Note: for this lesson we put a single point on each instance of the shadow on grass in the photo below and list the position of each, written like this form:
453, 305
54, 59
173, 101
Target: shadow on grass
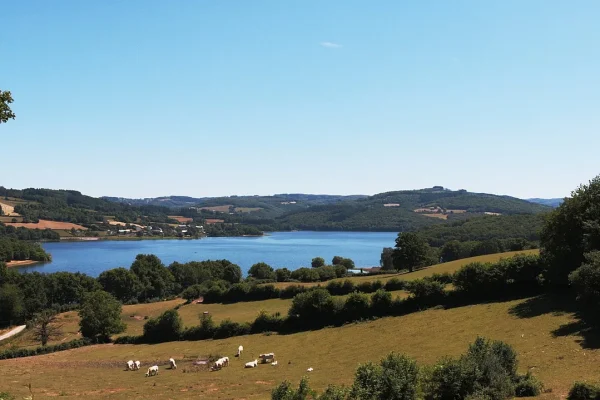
585, 327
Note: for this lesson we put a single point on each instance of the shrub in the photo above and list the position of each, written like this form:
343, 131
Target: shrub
338, 288
395, 378
261, 270
283, 274
267, 323
340, 271
528, 386
306, 275
326, 273
28, 352
228, 328
335, 393
205, 330
426, 293
583, 391
167, 327
365, 287
445, 277
395, 284
356, 307
317, 262
262, 292
285, 391
313, 307
292, 290
381, 302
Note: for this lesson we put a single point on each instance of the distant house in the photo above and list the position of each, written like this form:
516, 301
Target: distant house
124, 230
288, 202
214, 221
391, 205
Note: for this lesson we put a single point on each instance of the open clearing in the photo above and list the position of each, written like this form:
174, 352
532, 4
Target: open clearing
223, 209
45, 224
181, 219
449, 267
543, 336
438, 216
8, 210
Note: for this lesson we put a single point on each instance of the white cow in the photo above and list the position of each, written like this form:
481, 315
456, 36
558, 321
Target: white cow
152, 371
172, 363
240, 349
225, 361
130, 365
274, 362
310, 370
251, 364
137, 365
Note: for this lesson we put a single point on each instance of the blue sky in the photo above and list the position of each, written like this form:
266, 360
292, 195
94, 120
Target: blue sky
143, 98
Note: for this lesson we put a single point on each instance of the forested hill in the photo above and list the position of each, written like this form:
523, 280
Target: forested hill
391, 211
407, 210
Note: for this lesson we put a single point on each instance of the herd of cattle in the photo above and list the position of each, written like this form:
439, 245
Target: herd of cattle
218, 364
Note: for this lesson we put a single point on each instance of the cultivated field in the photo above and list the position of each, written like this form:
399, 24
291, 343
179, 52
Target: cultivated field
45, 224
545, 337
8, 210
181, 219
223, 209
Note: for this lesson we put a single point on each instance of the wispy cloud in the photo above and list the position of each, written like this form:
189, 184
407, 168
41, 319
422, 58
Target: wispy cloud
331, 45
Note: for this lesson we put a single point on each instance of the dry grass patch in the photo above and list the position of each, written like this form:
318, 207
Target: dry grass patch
179, 218
223, 209
438, 216
45, 224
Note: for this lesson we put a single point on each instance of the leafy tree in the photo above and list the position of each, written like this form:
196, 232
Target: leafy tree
285, 391
167, 327
121, 283
232, 273
411, 251
317, 262
314, 306
5, 111
348, 263
100, 316
387, 260
157, 281
571, 231
261, 270
395, 378
12, 308
336, 260
451, 251
586, 280
46, 327
283, 274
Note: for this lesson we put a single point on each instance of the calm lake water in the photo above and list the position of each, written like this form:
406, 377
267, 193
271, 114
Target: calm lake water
279, 249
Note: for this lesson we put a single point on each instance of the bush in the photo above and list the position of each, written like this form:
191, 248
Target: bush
395, 378
426, 293
261, 270
356, 307
583, 391
315, 307
528, 386
18, 353
306, 275
317, 262
291, 291
381, 303
326, 273
395, 284
340, 271
338, 288
228, 328
445, 277
267, 323
283, 274
205, 330
167, 327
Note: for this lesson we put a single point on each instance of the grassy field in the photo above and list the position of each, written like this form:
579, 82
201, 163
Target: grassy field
449, 267
543, 336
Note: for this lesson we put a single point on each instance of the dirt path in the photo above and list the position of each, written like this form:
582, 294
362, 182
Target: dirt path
13, 332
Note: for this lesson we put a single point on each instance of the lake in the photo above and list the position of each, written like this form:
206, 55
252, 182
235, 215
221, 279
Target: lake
279, 249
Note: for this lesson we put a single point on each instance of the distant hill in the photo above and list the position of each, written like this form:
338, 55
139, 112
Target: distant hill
547, 202
390, 211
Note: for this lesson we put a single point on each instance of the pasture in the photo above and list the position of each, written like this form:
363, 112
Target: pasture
449, 267
541, 330
180, 219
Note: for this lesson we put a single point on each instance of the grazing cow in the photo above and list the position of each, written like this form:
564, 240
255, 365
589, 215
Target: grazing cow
152, 371
274, 363
225, 361
251, 364
130, 365
172, 363
137, 365
239, 352
218, 364
310, 370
